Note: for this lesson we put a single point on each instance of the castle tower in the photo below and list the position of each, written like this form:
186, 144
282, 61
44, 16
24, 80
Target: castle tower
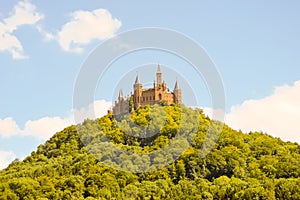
121, 97
159, 76
138, 89
159, 94
177, 94
164, 86
120, 104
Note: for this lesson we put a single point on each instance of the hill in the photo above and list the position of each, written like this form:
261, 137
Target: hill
78, 163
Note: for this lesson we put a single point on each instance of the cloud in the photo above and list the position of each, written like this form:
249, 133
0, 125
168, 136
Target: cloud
8, 127
45, 127
24, 13
47, 36
42, 128
83, 27
277, 115
216, 114
6, 157
95, 110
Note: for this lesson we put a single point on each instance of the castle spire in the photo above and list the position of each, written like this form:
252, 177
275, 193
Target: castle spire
137, 80
158, 69
176, 85
120, 94
158, 75
177, 93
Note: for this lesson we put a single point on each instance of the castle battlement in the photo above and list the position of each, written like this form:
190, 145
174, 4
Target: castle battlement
148, 96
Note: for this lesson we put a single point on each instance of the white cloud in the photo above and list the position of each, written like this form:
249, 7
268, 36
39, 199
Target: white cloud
47, 36
24, 13
45, 127
8, 127
6, 157
84, 27
277, 115
216, 114
42, 128
93, 111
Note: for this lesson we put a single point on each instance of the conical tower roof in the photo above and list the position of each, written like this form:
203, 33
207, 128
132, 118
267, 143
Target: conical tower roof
158, 69
137, 80
176, 85
121, 94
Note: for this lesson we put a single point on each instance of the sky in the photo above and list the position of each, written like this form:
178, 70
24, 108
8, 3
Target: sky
255, 46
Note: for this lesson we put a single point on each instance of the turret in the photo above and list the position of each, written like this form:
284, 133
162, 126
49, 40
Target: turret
137, 87
164, 86
159, 76
177, 93
121, 97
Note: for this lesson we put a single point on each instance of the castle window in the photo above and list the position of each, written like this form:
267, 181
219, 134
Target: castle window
153, 97
159, 96
146, 98
150, 98
143, 98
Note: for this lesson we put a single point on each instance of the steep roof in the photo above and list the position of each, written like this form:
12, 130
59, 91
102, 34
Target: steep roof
158, 69
121, 94
137, 80
176, 85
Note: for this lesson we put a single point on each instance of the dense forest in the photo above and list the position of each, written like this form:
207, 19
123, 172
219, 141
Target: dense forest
174, 152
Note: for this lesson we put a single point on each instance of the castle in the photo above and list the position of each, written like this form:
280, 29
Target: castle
148, 96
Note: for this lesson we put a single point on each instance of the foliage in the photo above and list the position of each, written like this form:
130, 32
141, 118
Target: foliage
240, 166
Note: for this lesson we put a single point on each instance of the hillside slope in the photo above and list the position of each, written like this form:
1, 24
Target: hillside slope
70, 164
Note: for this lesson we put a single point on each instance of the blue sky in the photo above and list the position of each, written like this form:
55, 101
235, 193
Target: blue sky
255, 46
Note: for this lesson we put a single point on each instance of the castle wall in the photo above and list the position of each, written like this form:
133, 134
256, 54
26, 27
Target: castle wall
121, 107
149, 96
154, 96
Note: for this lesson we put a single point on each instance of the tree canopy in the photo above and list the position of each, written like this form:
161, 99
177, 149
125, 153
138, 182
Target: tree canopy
78, 163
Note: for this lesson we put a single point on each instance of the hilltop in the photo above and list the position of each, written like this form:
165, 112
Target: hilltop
70, 165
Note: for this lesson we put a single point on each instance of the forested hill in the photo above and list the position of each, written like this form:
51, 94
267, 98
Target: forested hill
240, 166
